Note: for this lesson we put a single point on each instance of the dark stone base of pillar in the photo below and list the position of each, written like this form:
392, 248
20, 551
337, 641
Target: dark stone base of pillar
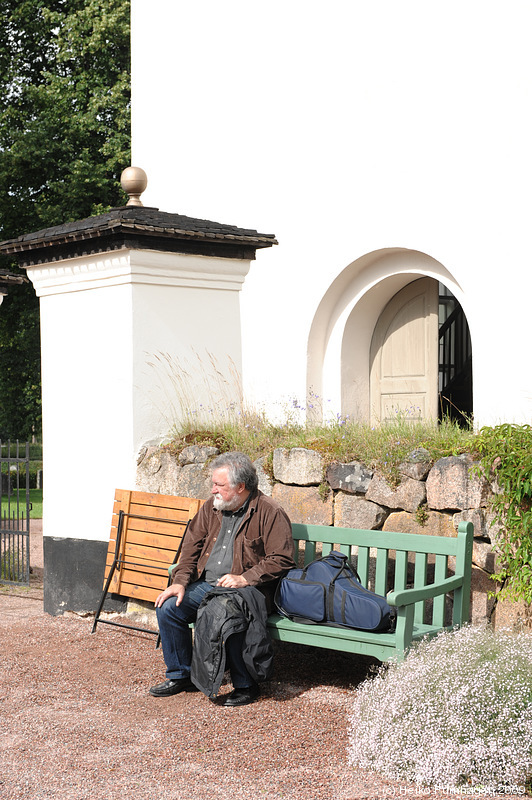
73, 576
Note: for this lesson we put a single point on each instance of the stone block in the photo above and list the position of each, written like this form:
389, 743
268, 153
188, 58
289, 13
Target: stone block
437, 524
353, 477
452, 485
194, 480
417, 465
304, 504
484, 556
356, 512
157, 471
298, 466
493, 529
479, 519
482, 604
196, 454
265, 482
516, 615
408, 495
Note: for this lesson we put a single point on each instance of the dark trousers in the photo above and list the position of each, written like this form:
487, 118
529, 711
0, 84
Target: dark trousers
176, 637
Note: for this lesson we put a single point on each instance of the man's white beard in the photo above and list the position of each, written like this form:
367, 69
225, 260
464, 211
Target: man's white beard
225, 505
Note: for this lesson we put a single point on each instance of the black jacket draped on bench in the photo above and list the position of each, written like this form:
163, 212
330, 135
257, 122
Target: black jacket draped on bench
222, 613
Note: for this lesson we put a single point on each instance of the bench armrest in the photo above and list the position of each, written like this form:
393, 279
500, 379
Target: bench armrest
405, 597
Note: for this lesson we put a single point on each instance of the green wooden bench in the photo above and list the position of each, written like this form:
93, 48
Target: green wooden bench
412, 570
426, 578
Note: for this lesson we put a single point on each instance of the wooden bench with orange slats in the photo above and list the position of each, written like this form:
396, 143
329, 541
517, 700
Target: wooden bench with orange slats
147, 531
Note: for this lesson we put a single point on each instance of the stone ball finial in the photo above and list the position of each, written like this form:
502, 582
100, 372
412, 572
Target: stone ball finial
133, 181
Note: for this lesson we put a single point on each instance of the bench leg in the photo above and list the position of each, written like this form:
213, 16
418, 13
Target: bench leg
104, 595
403, 630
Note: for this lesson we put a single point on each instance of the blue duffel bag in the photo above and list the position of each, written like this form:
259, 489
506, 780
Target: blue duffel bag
329, 591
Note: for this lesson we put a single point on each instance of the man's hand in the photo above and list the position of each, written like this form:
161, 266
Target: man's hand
174, 590
232, 581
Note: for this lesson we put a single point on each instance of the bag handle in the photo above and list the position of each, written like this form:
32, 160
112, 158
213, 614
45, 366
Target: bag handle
345, 566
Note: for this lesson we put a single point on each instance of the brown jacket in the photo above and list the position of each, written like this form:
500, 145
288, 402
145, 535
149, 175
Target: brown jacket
263, 549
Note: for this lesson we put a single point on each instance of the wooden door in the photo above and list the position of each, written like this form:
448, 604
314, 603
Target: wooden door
404, 355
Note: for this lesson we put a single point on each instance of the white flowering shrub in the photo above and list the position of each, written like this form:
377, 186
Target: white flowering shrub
456, 712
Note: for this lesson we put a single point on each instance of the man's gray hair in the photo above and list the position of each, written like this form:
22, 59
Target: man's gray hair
240, 469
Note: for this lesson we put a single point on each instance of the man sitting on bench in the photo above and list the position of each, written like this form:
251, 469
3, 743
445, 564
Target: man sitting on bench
239, 537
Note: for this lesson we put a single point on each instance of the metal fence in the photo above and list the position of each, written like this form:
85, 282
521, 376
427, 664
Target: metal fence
15, 512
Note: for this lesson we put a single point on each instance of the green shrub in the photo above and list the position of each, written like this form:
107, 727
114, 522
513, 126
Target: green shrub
506, 457
456, 712
20, 478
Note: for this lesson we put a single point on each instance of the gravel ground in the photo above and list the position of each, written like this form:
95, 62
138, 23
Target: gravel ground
77, 721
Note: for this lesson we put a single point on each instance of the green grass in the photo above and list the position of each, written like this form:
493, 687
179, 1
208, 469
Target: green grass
35, 500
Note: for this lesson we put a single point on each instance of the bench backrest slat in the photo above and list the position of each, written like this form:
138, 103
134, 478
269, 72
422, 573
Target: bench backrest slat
401, 569
440, 573
446, 545
363, 561
310, 552
420, 580
381, 571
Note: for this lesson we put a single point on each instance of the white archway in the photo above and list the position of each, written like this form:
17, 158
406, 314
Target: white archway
349, 311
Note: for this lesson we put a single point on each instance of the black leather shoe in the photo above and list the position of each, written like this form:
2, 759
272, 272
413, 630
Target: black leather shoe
242, 697
170, 687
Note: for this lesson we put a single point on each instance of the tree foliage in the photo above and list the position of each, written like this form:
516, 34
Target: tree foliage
64, 140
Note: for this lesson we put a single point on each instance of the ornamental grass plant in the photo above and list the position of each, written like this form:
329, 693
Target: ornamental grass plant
339, 439
457, 712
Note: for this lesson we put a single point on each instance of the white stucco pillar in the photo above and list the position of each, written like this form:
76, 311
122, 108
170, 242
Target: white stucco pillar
133, 340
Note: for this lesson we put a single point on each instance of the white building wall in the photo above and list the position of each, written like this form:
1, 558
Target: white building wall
345, 128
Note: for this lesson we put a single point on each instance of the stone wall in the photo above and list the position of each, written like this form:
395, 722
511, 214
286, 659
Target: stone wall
430, 498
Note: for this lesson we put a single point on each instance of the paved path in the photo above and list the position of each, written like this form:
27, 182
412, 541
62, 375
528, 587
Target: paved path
17, 603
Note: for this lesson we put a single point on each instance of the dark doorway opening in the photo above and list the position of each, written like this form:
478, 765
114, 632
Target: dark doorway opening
455, 361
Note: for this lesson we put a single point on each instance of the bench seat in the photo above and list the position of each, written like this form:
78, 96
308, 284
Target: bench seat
379, 645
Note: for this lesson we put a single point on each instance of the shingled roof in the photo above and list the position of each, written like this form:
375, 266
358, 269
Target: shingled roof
137, 228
